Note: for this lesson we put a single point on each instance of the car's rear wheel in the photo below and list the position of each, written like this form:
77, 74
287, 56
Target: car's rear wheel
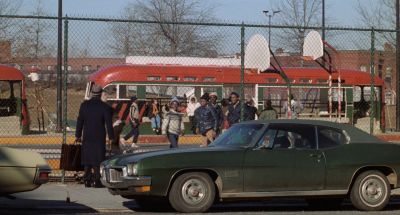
370, 191
192, 192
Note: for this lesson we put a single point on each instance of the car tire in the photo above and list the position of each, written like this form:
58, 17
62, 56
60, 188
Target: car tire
370, 191
192, 193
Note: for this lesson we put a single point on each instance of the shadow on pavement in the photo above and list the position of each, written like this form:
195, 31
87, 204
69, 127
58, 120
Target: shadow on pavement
276, 205
30, 206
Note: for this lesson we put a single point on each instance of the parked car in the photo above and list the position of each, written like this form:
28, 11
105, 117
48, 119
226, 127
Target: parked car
21, 171
324, 162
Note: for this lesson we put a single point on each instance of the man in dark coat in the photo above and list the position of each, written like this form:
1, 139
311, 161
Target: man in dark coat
234, 109
95, 116
218, 111
207, 120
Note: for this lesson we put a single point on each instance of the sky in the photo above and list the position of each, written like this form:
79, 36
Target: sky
341, 12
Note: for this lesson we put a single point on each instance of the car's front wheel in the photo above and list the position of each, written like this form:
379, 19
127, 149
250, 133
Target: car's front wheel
192, 192
370, 191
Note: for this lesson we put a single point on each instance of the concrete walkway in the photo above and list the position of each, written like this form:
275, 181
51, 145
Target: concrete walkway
53, 197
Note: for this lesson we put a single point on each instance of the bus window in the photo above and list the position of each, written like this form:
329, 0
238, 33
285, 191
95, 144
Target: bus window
356, 94
127, 91
5, 90
111, 91
189, 78
367, 94
17, 89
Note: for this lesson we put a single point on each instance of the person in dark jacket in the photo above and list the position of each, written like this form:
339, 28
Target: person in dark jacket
234, 109
207, 120
95, 117
218, 111
250, 111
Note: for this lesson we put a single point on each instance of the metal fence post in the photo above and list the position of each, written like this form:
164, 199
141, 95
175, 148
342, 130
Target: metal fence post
65, 87
372, 72
242, 44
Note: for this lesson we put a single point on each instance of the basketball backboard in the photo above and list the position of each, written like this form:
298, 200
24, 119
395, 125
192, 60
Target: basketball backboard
313, 47
257, 53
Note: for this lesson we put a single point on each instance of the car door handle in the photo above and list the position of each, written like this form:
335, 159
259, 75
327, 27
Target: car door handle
319, 156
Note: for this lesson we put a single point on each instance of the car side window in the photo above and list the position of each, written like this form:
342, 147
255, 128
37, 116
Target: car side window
294, 136
329, 137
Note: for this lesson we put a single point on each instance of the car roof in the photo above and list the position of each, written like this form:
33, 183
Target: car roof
356, 135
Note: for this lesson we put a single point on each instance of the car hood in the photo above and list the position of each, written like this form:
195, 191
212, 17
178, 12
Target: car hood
135, 157
20, 158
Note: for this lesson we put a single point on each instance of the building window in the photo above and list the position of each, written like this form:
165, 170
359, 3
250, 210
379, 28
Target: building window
388, 73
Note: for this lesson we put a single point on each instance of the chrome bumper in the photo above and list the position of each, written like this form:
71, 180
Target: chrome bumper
113, 178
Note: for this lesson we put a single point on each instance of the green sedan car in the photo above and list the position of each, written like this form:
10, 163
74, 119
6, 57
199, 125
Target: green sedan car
21, 171
323, 162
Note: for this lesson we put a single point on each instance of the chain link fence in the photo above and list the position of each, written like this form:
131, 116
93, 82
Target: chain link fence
159, 61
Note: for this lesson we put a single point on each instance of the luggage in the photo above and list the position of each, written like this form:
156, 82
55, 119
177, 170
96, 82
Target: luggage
71, 157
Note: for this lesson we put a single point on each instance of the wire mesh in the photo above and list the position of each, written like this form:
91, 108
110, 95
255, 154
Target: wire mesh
159, 61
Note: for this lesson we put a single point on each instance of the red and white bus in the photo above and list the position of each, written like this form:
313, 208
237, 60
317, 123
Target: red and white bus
308, 85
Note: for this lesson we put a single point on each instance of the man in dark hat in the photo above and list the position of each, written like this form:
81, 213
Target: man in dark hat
207, 120
93, 120
134, 123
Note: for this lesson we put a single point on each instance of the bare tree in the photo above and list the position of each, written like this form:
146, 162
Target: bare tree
381, 15
301, 13
33, 39
172, 39
8, 7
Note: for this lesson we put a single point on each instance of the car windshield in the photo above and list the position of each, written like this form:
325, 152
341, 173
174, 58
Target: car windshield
239, 135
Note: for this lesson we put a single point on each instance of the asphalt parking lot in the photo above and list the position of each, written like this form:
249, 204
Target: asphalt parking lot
52, 198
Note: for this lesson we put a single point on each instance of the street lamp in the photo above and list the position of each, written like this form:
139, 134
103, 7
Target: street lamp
270, 14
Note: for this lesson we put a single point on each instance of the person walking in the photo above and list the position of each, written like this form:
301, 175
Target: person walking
173, 125
234, 109
155, 117
191, 108
268, 112
207, 121
134, 124
295, 108
219, 112
94, 119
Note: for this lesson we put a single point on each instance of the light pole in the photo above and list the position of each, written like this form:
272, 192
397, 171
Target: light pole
323, 20
59, 72
270, 14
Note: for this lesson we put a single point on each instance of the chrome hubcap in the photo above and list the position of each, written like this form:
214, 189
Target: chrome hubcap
193, 191
372, 191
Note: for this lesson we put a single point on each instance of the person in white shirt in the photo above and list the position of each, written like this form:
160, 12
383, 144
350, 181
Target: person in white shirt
191, 107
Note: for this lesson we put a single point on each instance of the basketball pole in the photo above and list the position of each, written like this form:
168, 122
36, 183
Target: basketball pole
397, 65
